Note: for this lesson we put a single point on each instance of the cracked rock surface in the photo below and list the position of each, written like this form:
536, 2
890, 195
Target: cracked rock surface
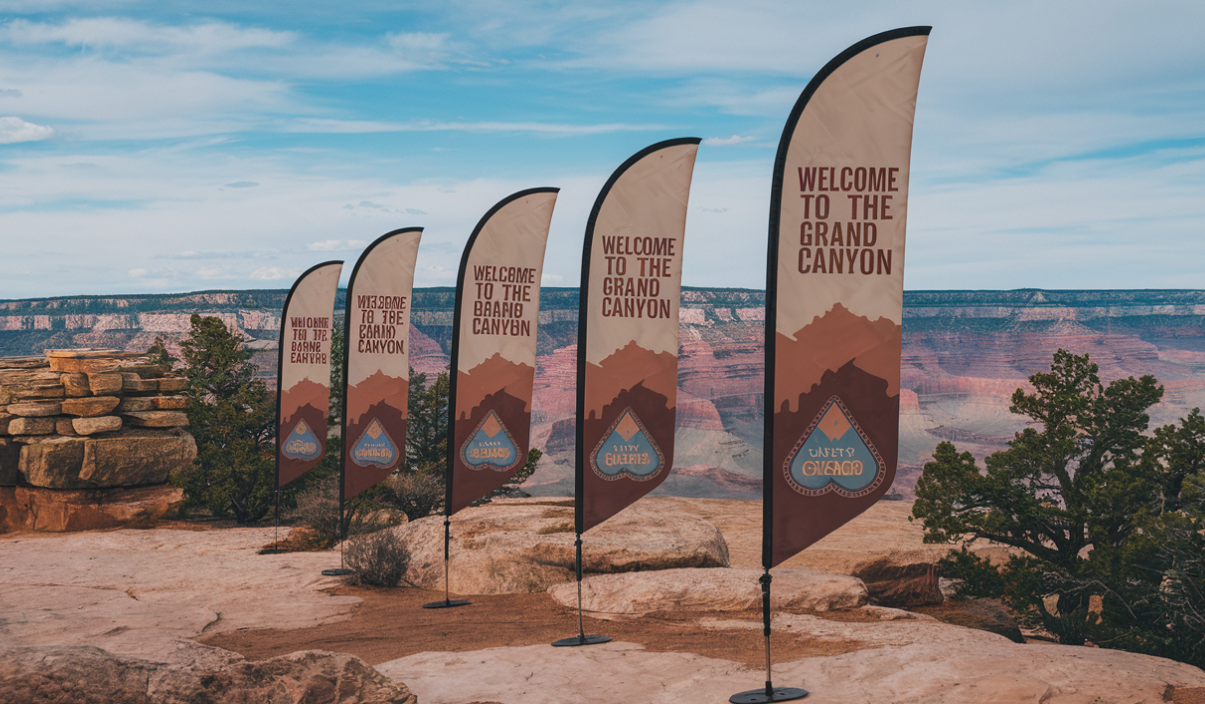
145, 593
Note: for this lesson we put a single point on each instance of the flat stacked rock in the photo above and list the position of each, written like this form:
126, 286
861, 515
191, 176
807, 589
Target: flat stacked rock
81, 421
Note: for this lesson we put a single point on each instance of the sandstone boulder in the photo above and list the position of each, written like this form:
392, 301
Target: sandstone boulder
63, 426
984, 614
105, 383
75, 384
170, 403
131, 403
53, 464
83, 364
129, 458
56, 674
10, 459
31, 426
26, 508
175, 383
716, 589
136, 457
146, 371
92, 426
35, 409
527, 546
901, 579
132, 383
91, 406
156, 419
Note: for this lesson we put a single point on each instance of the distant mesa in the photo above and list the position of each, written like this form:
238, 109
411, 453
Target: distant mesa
832, 340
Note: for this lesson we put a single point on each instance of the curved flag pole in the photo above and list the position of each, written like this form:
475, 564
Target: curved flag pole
492, 366
822, 314
637, 401
311, 299
375, 379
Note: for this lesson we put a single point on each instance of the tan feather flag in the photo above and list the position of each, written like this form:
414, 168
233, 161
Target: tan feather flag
304, 371
834, 299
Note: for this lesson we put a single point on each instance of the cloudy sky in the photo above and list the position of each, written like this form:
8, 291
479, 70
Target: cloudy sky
179, 146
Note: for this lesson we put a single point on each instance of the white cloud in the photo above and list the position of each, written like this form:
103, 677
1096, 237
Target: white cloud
274, 273
551, 279
320, 125
726, 141
138, 36
14, 130
215, 272
335, 245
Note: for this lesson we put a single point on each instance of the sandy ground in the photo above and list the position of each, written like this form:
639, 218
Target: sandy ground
171, 595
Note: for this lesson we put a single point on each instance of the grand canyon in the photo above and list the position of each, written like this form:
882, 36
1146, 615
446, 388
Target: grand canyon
964, 353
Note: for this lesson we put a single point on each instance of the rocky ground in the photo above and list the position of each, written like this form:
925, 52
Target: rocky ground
167, 611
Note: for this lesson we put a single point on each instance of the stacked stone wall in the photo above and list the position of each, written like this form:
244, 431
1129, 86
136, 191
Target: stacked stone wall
88, 439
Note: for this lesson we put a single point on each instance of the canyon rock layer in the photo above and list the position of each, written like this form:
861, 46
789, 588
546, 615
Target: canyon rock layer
964, 352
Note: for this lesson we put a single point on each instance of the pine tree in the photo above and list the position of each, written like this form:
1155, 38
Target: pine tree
231, 415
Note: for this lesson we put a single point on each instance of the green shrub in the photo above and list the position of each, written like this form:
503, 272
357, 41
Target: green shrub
416, 493
379, 558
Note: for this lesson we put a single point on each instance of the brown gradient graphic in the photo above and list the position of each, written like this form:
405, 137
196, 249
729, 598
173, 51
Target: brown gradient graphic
377, 388
376, 398
801, 520
510, 400
309, 401
830, 341
606, 399
656, 371
491, 376
474, 482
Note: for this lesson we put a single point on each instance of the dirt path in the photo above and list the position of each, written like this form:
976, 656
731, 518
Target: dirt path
392, 624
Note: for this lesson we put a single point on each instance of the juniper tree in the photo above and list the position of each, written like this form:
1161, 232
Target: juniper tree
1082, 493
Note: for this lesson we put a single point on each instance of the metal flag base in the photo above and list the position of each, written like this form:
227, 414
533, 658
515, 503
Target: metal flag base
446, 604
768, 694
337, 572
580, 640
448, 601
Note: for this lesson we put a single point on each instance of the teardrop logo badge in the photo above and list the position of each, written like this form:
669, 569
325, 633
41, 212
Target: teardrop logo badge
834, 455
491, 446
374, 447
301, 443
627, 451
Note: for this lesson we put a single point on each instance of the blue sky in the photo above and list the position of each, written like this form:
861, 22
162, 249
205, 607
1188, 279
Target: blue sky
177, 146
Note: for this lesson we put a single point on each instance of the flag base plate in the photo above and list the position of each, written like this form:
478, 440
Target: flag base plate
446, 604
780, 694
341, 572
580, 640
